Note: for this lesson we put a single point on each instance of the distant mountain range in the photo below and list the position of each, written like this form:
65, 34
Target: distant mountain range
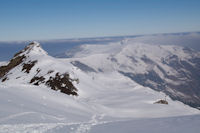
172, 69
58, 47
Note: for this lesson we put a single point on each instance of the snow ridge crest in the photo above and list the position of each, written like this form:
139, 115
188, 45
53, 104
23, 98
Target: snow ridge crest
34, 48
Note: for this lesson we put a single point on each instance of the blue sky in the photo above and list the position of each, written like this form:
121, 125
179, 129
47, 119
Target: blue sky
54, 19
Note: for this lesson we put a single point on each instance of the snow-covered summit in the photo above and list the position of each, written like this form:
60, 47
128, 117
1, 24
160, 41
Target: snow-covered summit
32, 65
34, 48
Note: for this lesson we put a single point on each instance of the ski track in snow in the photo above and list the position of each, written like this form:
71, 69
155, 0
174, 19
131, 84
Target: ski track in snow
15, 115
27, 113
29, 128
83, 127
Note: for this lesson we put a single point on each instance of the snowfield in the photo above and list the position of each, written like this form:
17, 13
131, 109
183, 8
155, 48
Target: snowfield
108, 101
129, 108
184, 124
26, 108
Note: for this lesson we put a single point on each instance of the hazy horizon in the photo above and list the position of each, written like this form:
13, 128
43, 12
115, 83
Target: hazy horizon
51, 19
97, 37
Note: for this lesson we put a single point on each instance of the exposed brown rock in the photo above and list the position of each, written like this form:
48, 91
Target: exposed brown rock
13, 63
37, 80
50, 71
161, 102
4, 79
63, 83
28, 66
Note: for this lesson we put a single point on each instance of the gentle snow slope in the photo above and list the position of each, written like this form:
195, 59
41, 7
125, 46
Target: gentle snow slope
27, 108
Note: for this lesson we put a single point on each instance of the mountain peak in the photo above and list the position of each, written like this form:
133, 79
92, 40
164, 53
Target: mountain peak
27, 66
33, 44
33, 48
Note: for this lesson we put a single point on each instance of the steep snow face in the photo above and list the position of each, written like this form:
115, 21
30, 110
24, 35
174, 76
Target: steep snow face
32, 50
33, 65
171, 69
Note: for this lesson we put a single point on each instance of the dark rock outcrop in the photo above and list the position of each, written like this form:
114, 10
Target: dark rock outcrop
12, 64
63, 83
27, 66
186, 82
22, 60
161, 102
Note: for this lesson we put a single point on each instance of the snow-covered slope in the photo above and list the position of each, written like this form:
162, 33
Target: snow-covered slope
104, 96
171, 69
33, 65
28, 108
186, 124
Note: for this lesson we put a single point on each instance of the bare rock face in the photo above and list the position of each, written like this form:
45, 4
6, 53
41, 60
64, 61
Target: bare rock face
13, 63
176, 72
184, 85
27, 63
63, 83
161, 102
27, 66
